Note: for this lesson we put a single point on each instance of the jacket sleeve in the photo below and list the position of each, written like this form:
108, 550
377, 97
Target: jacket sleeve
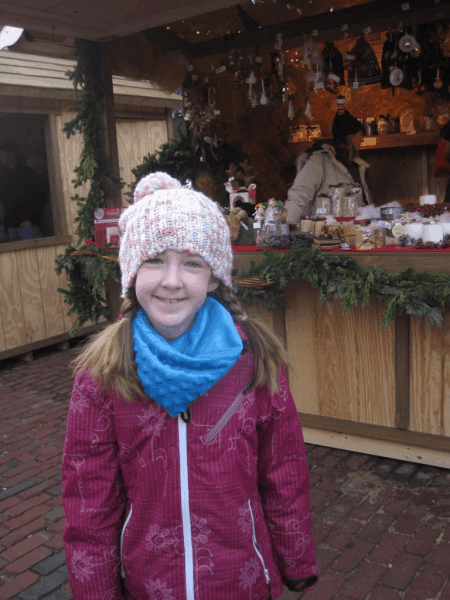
283, 480
93, 496
306, 185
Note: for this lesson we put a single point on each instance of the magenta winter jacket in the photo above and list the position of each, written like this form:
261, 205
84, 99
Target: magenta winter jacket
213, 509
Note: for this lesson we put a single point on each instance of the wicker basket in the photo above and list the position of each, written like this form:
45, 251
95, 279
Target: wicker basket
88, 253
253, 282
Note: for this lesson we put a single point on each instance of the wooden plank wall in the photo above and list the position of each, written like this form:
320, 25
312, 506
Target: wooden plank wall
338, 358
31, 308
136, 139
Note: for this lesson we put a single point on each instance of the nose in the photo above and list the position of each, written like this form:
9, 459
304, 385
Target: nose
171, 277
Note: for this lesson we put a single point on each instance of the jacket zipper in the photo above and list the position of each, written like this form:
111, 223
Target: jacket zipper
258, 551
186, 516
121, 540
212, 433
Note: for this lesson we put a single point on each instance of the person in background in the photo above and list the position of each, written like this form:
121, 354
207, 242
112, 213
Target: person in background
328, 162
444, 135
21, 193
184, 469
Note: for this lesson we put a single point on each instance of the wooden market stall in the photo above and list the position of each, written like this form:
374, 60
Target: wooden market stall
356, 385
361, 387
36, 99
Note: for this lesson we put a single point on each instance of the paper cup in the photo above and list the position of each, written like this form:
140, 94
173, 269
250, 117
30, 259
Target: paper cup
432, 233
430, 199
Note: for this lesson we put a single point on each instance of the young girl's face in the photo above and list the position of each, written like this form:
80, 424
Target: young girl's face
171, 288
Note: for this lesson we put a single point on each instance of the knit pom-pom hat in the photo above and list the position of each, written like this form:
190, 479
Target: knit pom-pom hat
165, 215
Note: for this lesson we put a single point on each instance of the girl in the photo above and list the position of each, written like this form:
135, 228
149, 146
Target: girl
184, 469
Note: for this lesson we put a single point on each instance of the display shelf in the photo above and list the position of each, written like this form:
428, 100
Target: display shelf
380, 142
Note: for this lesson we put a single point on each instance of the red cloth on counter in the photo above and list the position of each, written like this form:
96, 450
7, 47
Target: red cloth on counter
351, 249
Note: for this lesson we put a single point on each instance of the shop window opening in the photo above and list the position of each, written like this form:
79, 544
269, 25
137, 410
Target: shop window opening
25, 203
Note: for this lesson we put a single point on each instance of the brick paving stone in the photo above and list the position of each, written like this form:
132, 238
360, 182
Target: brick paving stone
27, 561
10, 589
363, 580
46, 585
343, 533
384, 593
329, 584
351, 556
50, 564
386, 551
325, 556
439, 560
403, 571
15, 552
19, 534
400, 500
423, 540
376, 527
56, 543
16, 489
426, 585
27, 516
407, 525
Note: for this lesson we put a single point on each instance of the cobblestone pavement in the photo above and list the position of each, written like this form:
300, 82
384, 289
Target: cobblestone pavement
382, 528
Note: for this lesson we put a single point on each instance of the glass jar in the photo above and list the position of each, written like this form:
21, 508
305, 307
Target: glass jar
323, 205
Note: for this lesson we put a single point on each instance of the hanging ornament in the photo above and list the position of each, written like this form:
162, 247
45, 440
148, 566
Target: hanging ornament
396, 76
407, 43
349, 61
332, 83
340, 101
263, 100
438, 83
291, 107
308, 112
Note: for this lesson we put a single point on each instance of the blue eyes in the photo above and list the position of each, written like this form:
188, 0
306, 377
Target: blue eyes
154, 261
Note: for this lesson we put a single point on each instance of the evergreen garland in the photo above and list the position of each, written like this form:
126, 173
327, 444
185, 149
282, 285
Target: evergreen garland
422, 294
87, 275
181, 158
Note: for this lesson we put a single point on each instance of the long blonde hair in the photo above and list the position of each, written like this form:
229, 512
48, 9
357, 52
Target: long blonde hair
110, 357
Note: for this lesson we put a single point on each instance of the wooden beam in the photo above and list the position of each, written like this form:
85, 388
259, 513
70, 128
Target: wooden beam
375, 432
111, 157
35, 243
380, 15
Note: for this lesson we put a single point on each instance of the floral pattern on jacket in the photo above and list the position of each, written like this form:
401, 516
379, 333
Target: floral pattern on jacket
248, 490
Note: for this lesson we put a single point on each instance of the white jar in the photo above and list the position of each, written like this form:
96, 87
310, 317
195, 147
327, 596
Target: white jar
433, 233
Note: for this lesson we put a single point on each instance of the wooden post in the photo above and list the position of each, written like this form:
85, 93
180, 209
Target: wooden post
110, 155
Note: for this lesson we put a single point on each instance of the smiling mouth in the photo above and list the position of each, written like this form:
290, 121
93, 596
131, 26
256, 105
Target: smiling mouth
169, 301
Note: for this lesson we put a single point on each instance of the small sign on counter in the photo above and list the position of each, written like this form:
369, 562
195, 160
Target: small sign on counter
369, 141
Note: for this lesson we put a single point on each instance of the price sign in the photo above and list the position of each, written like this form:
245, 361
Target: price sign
405, 6
367, 30
315, 32
216, 112
321, 211
258, 59
221, 69
206, 80
190, 68
344, 27
257, 225
355, 85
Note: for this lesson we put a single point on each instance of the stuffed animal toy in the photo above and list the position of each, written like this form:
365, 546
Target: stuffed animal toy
234, 221
247, 206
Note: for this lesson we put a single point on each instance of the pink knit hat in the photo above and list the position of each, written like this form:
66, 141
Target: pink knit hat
165, 215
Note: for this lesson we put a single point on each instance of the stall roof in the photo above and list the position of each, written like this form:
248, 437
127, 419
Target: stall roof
50, 74
97, 19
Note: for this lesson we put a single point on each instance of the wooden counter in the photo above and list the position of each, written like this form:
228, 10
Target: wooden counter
359, 386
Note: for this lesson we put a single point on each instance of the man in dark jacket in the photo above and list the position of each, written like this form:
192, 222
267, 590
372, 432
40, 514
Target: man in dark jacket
21, 192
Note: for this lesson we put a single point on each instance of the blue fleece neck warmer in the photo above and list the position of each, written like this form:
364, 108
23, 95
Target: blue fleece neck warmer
175, 373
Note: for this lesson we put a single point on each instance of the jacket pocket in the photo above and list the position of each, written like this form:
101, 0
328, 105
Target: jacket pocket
212, 433
125, 525
258, 551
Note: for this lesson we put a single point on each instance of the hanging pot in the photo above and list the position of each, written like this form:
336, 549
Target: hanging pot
396, 76
406, 43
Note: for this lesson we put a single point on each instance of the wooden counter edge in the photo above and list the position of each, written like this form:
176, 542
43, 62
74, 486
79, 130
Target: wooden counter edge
376, 432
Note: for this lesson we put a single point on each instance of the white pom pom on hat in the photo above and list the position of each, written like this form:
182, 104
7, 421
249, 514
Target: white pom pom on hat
166, 215
154, 182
